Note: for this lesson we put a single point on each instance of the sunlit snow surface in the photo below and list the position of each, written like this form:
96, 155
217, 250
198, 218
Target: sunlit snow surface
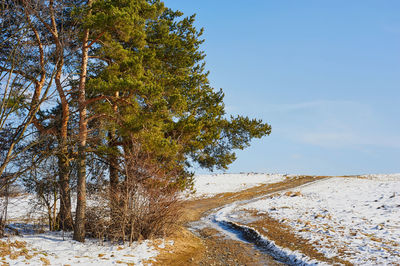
357, 219
210, 185
57, 251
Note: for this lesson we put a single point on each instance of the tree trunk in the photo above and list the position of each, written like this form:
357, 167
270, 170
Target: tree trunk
114, 180
79, 230
113, 171
65, 222
65, 215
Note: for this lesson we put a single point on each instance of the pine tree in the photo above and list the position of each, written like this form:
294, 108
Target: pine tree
139, 84
165, 104
103, 21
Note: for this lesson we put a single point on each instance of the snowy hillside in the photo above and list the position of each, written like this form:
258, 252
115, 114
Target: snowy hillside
210, 185
356, 219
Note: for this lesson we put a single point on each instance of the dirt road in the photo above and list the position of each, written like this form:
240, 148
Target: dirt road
206, 246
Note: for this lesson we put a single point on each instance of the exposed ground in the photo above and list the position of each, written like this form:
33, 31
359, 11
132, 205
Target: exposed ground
207, 247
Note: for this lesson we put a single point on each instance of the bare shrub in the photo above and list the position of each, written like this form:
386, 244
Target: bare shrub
3, 211
41, 181
141, 213
145, 204
98, 221
145, 212
4, 202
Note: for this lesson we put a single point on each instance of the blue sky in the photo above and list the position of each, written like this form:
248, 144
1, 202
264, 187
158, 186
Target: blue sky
324, 74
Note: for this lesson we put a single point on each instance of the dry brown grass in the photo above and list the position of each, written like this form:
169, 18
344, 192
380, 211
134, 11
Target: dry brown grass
13, 249
16, 249
292, 194
189, 249
45, 261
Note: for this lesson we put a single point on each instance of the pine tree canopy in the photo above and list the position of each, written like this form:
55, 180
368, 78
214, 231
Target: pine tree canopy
146, 89
149, 73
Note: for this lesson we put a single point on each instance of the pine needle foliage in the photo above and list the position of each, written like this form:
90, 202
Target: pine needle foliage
150, 75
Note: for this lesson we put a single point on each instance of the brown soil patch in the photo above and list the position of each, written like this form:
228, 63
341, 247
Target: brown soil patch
207, 247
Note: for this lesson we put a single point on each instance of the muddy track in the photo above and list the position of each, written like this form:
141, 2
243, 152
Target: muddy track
206, 245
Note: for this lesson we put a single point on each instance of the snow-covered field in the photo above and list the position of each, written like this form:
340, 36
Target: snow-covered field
60, 250
54, 249
356, 219
210, 185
